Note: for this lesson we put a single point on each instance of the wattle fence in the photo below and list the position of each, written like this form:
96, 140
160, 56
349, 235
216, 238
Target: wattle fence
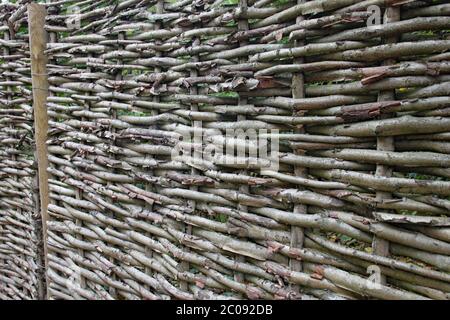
21, 265
230, 149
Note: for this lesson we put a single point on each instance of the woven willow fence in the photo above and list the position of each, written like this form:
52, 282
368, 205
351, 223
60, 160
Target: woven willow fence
21, 266
354, 115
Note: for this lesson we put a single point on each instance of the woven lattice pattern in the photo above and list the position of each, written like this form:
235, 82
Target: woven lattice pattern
20, 228
349, 98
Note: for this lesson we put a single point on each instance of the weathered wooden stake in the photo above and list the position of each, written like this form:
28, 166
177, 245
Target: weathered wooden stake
381, 246
38, 44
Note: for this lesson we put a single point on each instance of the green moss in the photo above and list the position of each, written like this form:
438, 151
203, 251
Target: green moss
228, 94
230, 3
222, 218
131, 113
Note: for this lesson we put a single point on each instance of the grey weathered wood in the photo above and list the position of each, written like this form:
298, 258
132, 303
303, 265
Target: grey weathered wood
381, 246
298, 92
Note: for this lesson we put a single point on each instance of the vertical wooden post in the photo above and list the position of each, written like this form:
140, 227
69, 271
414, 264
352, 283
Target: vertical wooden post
38, 44
381, 246
298, 92
242, 26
